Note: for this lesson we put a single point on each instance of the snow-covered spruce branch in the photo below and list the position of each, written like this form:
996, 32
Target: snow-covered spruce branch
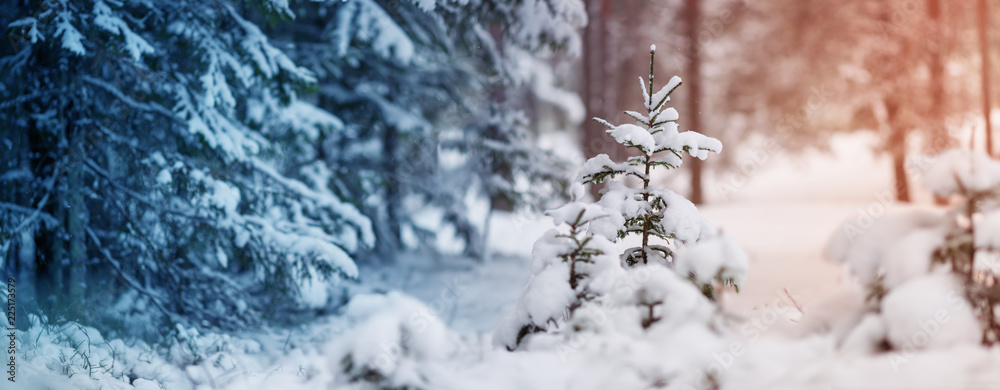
31, 212
145, 107
28, 97
94, 168
154, 298
344, 210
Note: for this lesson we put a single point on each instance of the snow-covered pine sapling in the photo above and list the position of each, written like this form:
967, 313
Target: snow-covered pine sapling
579, 278
567, 259
656, 215
580, 255
656, 138
971, 248
397, 344
923, 264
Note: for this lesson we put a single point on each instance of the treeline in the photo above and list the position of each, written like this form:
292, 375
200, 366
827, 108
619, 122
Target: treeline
219, 163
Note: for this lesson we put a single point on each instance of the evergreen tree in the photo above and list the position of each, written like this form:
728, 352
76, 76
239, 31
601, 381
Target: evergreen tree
417, 79
158, 156
919, 266
575, 265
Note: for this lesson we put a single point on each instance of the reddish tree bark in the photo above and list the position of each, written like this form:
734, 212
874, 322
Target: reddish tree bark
984, 53
693, 87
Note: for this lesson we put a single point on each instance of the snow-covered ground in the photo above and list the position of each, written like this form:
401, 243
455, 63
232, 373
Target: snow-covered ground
782, 212
469, 296
784, 242
782, 215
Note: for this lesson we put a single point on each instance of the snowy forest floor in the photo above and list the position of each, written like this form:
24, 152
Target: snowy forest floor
783, 240
782, 216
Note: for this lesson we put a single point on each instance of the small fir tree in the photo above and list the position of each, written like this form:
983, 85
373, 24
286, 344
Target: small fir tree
971, 250
577, 266
919, 265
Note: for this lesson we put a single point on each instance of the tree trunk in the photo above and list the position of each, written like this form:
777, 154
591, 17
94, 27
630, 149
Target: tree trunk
595, 83
610, 66
693, 86
389, 234
897, 148
899, 176
498, 93
984, 54
25, 259
58, 259
76, 214
939, 139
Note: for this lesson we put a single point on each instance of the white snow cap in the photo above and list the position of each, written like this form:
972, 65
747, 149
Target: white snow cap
682, 218
988, 230
569, 213
680, 299
669, 114
636, 135
397, 335
910, 257
544, 299
861, 244
598, 164
547, 295
929, 312
975, 171
716, 255
601, 221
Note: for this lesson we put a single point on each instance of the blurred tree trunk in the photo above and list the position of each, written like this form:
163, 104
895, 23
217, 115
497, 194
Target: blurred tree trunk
76, 213
596, 86
693, 81
938, 135
389, 235
891, 66
498, 93
58, 259
897, 148
939, 140
984, 53
25, 258
612, 65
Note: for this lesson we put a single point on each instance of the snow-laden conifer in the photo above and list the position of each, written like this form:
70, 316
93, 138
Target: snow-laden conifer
920, 267
582, 282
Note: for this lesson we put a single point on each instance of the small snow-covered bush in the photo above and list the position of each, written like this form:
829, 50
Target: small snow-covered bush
397, 343
644, 298
932, 276
68, 355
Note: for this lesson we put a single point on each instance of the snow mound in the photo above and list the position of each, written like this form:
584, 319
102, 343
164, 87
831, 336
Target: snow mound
929, 312
957, 169
861, 244
73, 356
397, 342
716, 258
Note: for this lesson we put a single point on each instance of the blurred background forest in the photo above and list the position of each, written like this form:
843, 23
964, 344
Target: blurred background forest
917, 74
